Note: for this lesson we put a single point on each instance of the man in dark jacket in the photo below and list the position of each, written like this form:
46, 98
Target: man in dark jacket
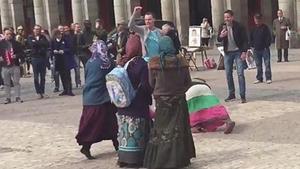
235, 41
10, 55
87, 39
260, 41
38, 44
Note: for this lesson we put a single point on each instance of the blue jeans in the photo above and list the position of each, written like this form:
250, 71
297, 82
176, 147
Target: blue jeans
39, 72
260, 57
229, 59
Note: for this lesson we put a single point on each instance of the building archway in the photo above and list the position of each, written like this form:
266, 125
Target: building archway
200, 9
153, 6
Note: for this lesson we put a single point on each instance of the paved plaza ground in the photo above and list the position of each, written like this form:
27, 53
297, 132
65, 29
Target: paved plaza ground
39, 134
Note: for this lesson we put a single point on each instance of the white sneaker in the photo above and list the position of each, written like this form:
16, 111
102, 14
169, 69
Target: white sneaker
1, 87
269, 81
257, 81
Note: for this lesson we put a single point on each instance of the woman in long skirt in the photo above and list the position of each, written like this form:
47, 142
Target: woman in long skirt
134, 120
98, 120
171, 143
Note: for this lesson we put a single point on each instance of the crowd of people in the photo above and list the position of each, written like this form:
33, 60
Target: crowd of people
157, 72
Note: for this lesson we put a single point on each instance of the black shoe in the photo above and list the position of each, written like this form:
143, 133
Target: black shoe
87, 153
63, 93
229, 127
278, 61
230, 98
55, 90
243, 100
71, 94
286, 60
116, 144
7, 101
18, 99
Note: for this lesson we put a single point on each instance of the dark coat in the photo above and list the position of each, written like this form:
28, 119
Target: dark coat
64, 61
138, 75
260, 37
173, 79
17, 49
39, 48
239, 34
280, 41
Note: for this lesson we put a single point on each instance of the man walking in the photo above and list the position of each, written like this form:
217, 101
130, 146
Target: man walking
260, 41
234, 37
39, 48
280, 26
10, 54
149, 33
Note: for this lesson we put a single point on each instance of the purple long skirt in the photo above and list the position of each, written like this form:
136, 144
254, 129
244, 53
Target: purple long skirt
97, 123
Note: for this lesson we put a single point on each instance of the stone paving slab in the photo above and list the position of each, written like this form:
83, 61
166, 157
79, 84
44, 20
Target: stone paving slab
52, 146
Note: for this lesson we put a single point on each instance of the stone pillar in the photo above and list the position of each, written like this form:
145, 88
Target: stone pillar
5, 14
217, 8
77, 11
287, 7
91, 10
298, 15
182, 21
52, 14
120, 8
266, 11
39, 12
239, 7
17, 13
167, 10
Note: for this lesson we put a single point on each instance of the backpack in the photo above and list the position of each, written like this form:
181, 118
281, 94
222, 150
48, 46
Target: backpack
120, 89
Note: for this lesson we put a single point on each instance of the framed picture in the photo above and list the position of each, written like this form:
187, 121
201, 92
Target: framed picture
194, 36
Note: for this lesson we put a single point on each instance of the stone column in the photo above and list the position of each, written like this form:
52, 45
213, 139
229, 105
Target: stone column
5, 14
91, 10
167, 10
39, 12
182, 21
217, 8
17, 13
77, 11
298, 15
287, 7
120, 8
52, 14
266, 11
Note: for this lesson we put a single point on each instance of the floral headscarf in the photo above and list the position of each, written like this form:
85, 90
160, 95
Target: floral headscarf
100, 50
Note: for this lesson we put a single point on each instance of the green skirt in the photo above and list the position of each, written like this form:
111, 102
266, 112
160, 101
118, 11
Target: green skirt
171, 143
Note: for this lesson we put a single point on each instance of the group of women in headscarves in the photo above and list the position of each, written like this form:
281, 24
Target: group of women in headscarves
166, 141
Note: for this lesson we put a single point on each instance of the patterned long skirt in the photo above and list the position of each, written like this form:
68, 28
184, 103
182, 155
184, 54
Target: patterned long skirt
133, 135
171, 143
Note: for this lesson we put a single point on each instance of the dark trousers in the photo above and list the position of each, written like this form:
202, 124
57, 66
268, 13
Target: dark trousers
65, 76
263, 56
56, 79
285, 54
39, 73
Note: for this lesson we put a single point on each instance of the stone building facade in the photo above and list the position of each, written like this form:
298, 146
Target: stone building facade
50, 13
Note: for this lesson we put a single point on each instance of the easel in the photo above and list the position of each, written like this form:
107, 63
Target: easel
189, 52
190, 55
